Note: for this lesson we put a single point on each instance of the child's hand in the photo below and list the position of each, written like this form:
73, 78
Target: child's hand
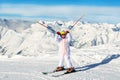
67, 32
58, 33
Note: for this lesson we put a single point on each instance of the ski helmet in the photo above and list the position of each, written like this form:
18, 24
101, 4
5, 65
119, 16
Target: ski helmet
62, 32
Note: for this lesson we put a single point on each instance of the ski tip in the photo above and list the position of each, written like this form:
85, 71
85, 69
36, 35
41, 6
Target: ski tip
55, 75
44, 73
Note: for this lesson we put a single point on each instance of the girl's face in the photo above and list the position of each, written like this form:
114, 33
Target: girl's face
63, 36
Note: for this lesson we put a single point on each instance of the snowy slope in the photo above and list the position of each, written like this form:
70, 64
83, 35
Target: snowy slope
95, 63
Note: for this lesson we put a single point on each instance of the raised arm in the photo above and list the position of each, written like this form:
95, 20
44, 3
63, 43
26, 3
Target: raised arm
69, 37
51, 30
57, 38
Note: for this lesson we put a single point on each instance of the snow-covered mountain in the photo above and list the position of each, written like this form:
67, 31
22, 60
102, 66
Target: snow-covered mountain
15, 24
34, 39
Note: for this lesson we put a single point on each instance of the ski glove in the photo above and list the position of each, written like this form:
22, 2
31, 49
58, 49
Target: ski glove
67, 32
58, 33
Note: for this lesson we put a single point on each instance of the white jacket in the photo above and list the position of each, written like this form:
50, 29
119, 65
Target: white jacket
64, 44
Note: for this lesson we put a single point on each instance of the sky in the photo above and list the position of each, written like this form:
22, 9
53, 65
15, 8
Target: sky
94, 10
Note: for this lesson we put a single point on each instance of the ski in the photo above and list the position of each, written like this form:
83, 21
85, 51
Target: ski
58, 75
63, 74
46, 73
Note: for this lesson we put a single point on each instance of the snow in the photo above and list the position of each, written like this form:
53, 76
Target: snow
95, 51
15, 24
96, 64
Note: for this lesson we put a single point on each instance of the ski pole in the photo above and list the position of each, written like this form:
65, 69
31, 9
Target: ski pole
42, 24
70, 27
77, 22
49, 28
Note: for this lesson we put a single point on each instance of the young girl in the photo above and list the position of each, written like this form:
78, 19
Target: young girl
63, 38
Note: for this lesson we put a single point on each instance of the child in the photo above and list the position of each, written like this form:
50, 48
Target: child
63, 38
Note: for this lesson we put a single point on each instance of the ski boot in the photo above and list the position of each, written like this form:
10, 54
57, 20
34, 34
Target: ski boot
59, 69
70, 70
